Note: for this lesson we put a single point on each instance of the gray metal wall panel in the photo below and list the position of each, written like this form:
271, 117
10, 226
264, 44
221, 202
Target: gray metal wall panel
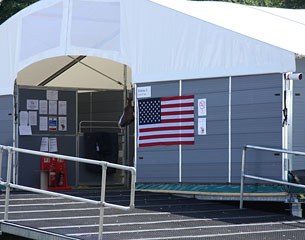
28, 165
159, 164
258, 82
6, 127
298, 130
256, 120
264, 164
205, 165
207, 160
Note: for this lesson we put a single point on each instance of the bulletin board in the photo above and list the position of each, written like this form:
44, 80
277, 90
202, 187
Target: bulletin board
47, 121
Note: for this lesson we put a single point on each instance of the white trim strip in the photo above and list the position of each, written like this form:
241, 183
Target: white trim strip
166, 125
167, 132
177, 109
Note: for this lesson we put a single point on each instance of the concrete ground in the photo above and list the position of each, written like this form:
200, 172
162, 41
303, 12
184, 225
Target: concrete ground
156, 216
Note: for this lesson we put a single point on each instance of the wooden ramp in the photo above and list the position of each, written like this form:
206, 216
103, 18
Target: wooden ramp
157, 216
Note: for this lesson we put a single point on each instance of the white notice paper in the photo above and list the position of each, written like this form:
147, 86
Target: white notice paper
23, 118
32, 104
25, 130
62, 123
202, 126
44, 145
33, 118
43, 107
52, 145
62, 107
202, 107
52, 95
53, 107
43, 123
144, 92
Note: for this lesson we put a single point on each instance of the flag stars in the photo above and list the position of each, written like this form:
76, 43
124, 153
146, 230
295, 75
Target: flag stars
149, 111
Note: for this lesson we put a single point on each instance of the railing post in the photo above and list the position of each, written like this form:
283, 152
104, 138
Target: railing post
8, 181
132, 188
243, 159
102, 207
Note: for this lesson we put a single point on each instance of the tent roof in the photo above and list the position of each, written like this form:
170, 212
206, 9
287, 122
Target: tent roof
158, 39
283, 28
88, 73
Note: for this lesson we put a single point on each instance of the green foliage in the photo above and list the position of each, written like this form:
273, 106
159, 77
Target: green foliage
294, 4
276, 3
9, 7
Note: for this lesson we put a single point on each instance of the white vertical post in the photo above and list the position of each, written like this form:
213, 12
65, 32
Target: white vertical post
230, 132
126, 130
102, 207
8, 181
287, 126
135, 126
180, 146
242, 177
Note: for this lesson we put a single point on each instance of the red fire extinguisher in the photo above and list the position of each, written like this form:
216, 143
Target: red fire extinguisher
52, 176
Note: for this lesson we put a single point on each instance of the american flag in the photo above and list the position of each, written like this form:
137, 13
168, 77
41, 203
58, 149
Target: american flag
166, 121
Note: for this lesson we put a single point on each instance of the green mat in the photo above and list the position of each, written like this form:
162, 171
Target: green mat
212, 188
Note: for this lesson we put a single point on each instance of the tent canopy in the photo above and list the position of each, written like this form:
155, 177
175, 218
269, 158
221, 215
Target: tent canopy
158, 39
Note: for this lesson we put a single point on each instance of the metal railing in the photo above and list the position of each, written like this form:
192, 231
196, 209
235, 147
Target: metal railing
244, 175
102, 204
98, 125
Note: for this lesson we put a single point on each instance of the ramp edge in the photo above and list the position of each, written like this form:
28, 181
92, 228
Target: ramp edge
31, 233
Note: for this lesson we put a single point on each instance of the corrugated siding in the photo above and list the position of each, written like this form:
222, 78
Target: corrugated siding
207, 160
256, 120
298, 130
6, 126
159, 164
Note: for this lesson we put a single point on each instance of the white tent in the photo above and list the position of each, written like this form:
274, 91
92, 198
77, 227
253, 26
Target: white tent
158, 39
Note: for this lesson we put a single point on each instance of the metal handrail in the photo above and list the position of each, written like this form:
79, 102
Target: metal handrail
82, 123
102, 164
243, 175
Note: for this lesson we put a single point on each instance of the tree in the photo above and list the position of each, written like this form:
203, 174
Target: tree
294, 4
8, 7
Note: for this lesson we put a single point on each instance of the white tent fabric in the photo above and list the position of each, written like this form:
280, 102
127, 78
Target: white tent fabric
158, 39
284, 28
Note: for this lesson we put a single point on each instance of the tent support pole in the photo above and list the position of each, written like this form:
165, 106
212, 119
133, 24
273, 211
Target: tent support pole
61, 71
